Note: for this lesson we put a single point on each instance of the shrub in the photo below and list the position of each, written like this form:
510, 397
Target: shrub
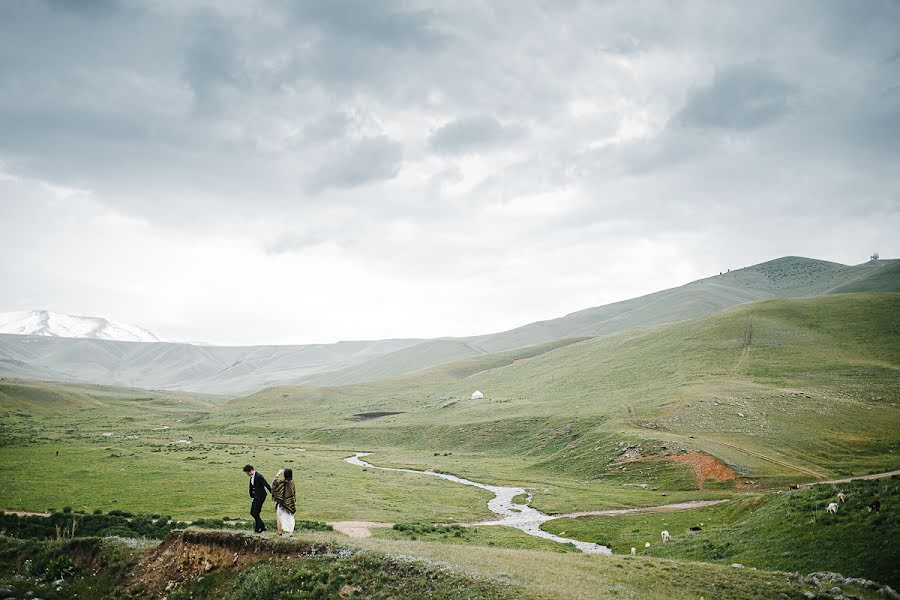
60, 568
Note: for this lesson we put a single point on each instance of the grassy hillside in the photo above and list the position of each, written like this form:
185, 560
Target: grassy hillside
781, 389
241, 370
788, 531
420, 356
317, 566
209, 369
884, 279
787, 277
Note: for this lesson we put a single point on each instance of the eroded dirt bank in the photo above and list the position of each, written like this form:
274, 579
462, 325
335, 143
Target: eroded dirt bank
187, 553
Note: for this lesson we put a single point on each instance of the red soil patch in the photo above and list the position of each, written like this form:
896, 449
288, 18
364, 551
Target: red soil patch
704, 466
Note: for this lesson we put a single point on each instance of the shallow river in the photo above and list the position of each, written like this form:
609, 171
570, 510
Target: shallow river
519, 516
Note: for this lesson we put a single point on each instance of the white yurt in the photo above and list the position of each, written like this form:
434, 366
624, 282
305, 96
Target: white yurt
476, 395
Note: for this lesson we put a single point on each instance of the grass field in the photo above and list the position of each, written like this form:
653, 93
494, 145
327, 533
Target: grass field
777, 391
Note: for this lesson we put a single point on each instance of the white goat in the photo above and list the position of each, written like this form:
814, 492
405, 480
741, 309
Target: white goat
633, 551
832, 508
665, 536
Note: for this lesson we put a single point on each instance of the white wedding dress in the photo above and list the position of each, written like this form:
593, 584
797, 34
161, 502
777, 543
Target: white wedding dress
285, 518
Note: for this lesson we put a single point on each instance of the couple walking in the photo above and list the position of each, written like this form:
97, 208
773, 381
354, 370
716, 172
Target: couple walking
283, 493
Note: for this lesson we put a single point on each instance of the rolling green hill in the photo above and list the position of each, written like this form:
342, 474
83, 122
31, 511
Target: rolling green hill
241, 370
787, 277
885, 279
779, 388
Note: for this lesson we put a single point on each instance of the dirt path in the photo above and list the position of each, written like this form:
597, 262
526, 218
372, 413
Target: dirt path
745, 351
640, 509
849, 479
777, 461
25, 513
358, 529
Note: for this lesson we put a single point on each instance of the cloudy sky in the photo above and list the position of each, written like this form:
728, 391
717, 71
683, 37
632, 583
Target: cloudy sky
310, 171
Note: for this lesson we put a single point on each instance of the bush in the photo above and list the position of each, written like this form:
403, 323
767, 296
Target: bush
60, 567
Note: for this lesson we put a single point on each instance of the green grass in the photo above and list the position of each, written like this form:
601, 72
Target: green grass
787, 531
149, 480
623, 532
572, 576
481, 535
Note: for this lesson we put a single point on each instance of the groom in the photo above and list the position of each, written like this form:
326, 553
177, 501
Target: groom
258, 487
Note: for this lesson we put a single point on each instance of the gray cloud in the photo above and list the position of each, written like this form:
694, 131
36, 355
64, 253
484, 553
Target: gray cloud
739, 97
507, 143
358, 163
390, 25
474, 133
326, 127
211, 63
90, 8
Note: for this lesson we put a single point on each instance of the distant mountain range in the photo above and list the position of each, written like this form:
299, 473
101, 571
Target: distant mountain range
51, 324
100, 357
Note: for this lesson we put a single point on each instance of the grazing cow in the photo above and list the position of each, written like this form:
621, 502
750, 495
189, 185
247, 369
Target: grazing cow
874, 506
832, 508
696, 528
841, 496
634, 551
793, 486
665, 536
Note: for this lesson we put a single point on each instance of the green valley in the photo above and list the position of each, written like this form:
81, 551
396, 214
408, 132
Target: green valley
732, 406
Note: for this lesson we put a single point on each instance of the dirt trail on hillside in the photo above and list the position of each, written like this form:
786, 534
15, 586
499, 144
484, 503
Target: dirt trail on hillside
615, 512
849, 479
777, 461
358, 529
748, 340
25, 513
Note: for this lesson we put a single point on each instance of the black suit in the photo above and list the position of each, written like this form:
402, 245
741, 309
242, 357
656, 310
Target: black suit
258, 487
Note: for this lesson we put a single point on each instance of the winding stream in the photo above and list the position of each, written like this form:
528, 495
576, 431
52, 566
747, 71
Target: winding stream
519, 516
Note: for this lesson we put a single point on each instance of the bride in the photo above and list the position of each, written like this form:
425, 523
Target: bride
285, 496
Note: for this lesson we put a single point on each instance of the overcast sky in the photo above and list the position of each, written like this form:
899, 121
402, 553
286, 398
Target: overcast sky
311, 171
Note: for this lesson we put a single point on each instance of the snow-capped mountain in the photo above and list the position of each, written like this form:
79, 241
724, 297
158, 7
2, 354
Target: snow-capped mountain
51, 324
